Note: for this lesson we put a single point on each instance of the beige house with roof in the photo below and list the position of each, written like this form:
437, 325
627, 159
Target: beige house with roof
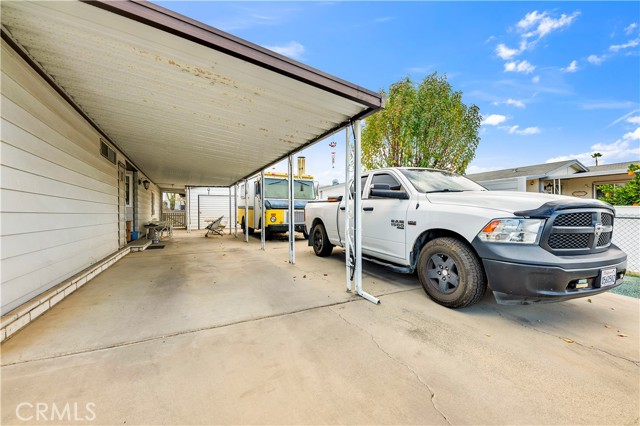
564, 177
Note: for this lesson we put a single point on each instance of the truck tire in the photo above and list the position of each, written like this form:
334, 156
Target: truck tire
451, 273
320, 241
251, 230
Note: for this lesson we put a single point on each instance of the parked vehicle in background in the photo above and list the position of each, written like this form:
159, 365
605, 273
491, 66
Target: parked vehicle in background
276, 203
461, 238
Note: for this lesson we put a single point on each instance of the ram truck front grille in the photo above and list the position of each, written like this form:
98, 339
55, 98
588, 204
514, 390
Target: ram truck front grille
576, 232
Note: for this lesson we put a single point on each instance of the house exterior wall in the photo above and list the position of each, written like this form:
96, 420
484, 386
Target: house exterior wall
577, 186
533, 185
325, 192
58, 194
146, 211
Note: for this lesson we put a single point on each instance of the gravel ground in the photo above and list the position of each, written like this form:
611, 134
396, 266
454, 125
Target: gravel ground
630, 287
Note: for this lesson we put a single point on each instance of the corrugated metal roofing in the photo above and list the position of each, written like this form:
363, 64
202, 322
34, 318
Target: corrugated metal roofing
189, 104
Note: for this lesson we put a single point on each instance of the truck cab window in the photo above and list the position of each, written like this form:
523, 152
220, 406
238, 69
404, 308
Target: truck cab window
385, 178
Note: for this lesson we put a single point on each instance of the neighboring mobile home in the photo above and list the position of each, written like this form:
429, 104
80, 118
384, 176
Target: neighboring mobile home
563, 177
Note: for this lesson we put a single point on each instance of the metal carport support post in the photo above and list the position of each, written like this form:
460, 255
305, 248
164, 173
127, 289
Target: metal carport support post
347, 208
246, 210
292, 218
263, 217
235, 210
357, 217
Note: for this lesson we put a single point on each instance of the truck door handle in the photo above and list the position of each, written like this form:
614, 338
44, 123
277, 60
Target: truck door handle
342, 208
367, 209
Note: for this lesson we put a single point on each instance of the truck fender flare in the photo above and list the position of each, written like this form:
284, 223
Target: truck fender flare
429, 235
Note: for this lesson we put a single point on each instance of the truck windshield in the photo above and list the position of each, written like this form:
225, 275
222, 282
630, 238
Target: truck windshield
425, 180
279, 188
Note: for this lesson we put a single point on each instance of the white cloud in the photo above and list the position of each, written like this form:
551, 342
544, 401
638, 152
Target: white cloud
293, 49
608, 104
626, 118
536, 79
516, 103
617, 151
632, 136
630, 43
522, 66
511, 102
506, 53
538, 25
530, 20
573, 67
630, 28
547, 24
493, 120
527, 131
595, 59
532, 28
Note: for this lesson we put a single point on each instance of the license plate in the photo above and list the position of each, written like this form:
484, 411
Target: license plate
607, 277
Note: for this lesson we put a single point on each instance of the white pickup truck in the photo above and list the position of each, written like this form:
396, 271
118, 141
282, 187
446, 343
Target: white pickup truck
461, 238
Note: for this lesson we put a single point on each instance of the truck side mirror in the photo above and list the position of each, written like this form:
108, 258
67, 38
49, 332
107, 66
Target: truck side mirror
383, 190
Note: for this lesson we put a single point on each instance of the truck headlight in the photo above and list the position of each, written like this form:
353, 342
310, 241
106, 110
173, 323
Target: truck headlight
523, 231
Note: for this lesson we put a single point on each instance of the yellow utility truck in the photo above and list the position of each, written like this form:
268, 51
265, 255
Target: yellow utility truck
276, 203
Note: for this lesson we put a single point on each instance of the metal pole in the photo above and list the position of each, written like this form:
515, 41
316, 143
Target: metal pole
358, 215
263, 217
235, 210
230, 217
246, 210
292, 236
188, 210
345, 202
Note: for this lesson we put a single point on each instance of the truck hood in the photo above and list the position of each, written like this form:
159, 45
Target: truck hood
518, 203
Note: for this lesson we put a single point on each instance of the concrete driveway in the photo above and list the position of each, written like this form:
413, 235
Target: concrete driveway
215, 331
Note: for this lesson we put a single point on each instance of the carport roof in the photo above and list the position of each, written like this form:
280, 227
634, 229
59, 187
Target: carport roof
187, 103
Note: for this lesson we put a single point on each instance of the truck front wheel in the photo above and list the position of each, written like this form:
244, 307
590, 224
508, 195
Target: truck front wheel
451, 273
320, 241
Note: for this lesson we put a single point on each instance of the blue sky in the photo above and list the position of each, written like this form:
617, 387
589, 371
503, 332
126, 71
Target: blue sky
553, 80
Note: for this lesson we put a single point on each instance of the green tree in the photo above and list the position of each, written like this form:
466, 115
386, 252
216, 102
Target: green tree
627, 195
172, 197
422, 125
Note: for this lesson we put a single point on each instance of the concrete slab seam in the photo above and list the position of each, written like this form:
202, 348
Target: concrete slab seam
402, 363
185, 332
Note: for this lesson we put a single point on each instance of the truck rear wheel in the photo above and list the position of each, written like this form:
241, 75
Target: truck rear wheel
451, 273
242, 225
320, 241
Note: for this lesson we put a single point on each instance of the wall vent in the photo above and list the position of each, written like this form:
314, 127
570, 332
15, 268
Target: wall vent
107, 152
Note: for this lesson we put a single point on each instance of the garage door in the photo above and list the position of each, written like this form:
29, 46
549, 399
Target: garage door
211, 207
512, 184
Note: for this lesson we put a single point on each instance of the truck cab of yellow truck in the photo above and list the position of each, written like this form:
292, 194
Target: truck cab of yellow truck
276, 203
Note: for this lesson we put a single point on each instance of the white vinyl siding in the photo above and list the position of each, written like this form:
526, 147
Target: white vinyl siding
59, 196
218, 206
144, 211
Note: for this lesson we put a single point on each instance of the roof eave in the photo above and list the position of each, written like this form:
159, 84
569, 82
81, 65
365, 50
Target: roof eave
197, 32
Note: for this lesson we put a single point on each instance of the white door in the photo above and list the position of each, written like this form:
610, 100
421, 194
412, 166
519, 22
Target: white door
211, 207
384, 221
